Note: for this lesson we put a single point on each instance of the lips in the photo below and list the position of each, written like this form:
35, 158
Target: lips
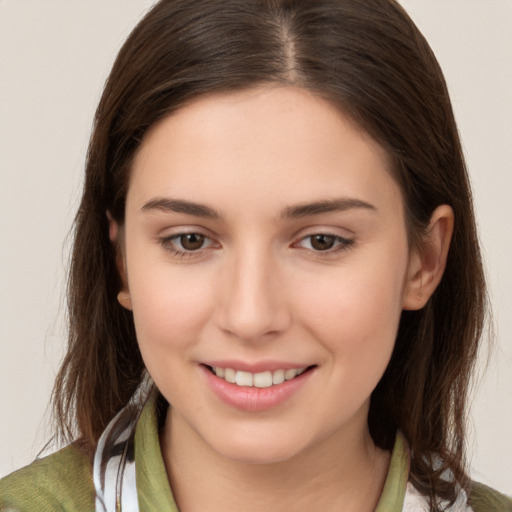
258, 390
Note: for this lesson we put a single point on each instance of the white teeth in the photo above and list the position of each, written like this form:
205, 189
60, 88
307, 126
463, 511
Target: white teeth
230, 375
258, 380
278, 377
244, 379
290, 374
263, 380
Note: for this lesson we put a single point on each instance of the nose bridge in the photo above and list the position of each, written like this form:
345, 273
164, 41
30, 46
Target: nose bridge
253, 305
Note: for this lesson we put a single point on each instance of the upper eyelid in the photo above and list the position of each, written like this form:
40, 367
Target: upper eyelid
176, 231
340, 238
326, 233
320, 230
331, 228
170, 231
175, 236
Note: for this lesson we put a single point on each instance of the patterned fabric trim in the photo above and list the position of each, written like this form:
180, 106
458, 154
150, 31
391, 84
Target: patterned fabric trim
415, 502
114, 461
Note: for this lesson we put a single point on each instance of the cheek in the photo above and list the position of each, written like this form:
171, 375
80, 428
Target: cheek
169, 314
170, 308
356, 310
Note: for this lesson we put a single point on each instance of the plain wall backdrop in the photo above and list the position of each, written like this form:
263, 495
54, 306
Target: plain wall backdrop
54, 58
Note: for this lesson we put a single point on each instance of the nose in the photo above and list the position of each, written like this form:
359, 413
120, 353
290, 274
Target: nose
254, 306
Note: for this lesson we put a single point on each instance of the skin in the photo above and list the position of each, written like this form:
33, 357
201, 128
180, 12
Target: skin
259, 290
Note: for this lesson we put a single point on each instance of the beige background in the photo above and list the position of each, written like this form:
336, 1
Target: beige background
54, 57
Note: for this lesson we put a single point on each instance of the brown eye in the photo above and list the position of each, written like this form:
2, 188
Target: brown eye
190, 245
322, 242
191, 241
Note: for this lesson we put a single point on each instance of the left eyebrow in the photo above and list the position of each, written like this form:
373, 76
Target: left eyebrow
327, 206
181, 206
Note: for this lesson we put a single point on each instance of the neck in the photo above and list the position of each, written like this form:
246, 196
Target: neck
343, 473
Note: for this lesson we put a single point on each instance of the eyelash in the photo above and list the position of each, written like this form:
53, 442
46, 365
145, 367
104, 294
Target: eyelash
340, 242
169, 244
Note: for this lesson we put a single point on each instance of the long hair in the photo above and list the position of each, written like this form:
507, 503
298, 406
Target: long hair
369, 60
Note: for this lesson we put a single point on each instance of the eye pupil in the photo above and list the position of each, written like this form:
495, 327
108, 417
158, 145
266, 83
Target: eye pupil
192, 241
322, 242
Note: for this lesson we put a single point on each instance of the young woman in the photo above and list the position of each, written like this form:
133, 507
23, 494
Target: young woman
276, 294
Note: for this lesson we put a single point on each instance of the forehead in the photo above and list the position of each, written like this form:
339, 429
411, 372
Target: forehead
243, 145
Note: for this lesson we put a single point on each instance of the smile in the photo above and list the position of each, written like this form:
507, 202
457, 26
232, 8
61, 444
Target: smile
264, 379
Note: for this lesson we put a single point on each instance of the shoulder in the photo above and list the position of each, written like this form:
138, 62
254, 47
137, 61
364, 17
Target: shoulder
485, 499
62, 481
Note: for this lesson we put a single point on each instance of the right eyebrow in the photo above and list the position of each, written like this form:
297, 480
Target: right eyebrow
167, 204
326, 206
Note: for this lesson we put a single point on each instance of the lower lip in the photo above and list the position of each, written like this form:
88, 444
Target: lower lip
254, 399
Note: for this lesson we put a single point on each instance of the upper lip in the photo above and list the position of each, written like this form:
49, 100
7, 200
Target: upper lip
256, 367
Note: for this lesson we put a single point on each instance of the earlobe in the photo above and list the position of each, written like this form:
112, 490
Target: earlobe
124, 298
427, 263
114, 233
113, 228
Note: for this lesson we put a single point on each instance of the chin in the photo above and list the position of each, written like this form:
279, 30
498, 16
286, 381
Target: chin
258, 450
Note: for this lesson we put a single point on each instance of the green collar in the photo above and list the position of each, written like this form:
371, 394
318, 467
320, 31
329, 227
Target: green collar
153, 487
393, 494
155, 492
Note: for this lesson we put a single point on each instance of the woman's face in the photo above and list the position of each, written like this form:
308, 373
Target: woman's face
265, 240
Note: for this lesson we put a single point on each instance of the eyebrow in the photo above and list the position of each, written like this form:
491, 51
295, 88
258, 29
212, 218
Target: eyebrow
301, 210
327, 206
181, 206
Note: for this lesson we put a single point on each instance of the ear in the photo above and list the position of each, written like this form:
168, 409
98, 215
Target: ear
428, 261
116, 238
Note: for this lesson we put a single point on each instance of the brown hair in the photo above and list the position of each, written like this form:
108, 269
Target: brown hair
368, 58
